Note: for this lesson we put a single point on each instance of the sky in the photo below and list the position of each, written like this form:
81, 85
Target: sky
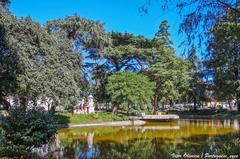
117, 15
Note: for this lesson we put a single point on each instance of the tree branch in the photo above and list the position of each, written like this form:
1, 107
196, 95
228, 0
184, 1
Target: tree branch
228, 6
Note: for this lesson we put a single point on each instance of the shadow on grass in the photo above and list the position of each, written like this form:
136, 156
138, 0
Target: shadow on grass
61, 119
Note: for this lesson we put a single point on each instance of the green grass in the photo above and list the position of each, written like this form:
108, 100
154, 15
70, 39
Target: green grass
68, 118
207, 114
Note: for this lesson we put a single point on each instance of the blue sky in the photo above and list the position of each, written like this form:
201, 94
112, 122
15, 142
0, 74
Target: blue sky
118, 15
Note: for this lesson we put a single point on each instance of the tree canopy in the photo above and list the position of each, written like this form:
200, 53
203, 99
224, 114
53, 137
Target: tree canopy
84, 33
35, 64
223, 60
128, 88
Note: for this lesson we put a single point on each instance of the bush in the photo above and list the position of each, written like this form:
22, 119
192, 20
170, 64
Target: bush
23, 130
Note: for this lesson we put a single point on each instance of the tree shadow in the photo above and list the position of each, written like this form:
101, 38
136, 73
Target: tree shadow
61, 119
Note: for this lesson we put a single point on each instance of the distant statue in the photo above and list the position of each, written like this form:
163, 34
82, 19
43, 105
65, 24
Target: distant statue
85, 107
82, 105
91, 108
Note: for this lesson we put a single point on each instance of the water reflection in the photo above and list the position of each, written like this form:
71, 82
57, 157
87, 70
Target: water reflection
153, 140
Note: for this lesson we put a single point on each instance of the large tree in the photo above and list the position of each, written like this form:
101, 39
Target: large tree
196, 92
224, 58
88, 37
171, 75
169, 72
127, 52
36, 65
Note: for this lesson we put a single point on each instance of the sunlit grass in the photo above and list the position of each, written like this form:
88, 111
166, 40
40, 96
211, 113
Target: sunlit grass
63, 118
207, 114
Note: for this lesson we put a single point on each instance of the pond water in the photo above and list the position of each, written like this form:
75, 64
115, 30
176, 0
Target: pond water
160, 140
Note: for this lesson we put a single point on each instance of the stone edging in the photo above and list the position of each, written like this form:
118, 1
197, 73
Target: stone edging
108, 123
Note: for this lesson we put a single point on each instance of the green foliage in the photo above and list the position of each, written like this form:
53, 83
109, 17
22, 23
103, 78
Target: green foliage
126, 52
170, 73
224, 58
197, 91
83, 32
35, 64
24, 130
132, 149
171, 76
232, 146
130, 88
148, 56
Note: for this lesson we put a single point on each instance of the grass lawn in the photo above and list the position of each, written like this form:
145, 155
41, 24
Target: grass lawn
207, 114
68, 118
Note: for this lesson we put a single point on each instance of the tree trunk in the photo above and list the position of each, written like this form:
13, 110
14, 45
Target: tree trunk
238, 105
194, 103
53, 108
114, 108
230, 105
106, 104
128, 109
23, 103
238, 101
155, 104
163, 107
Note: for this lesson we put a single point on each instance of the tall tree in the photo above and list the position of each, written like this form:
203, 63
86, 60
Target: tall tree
224, 57
171, 75
36, 65
197, 86
85, 35
169, 72
126, 52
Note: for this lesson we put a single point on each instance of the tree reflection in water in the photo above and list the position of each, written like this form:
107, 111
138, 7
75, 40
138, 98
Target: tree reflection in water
150, 141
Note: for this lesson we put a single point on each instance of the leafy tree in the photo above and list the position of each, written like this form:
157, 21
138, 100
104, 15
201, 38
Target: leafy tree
223, 60
171, 77
100, 76
87, 36
126, 52
24, 130
84, 34
36, 65
169, 72
197, 87
127, 88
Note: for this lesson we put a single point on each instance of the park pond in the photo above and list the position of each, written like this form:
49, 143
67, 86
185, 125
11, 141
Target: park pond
160, 140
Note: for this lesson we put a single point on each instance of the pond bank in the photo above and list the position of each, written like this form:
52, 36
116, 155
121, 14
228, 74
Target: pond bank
207, 114
107, 123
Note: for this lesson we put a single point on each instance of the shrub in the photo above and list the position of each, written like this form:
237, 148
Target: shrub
23, 130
